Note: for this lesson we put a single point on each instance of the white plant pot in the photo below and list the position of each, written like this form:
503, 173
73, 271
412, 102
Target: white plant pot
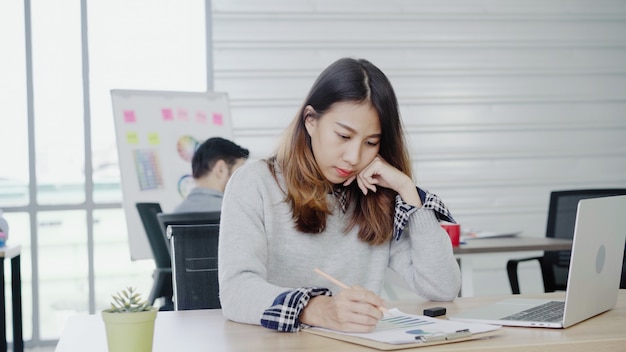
129, 331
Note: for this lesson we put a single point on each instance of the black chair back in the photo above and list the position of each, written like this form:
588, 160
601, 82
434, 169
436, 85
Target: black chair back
148, 213
162, 276
191, 218
561, 223
194, 266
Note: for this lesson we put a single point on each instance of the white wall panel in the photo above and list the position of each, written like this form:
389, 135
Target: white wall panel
407, 29
235, 59
408, 84
503, 101
271, 115
563, 8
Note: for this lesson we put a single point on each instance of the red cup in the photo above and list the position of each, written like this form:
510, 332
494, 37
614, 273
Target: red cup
454, 232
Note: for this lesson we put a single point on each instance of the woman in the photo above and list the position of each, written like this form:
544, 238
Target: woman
337, 196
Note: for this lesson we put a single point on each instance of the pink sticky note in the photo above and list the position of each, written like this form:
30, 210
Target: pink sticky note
217, 119
167, 114
182, 114
201, 117
129, 116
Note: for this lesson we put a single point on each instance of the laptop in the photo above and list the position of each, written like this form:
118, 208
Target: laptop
594, 274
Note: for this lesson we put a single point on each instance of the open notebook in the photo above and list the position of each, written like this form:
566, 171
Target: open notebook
594, 274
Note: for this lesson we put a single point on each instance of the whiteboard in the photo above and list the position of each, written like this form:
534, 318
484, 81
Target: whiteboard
157, 133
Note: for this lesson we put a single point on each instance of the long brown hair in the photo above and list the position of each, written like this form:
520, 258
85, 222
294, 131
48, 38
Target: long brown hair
346, 80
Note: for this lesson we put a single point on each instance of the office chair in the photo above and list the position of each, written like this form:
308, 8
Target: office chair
194, 265
561, 222
190, 218
162, 276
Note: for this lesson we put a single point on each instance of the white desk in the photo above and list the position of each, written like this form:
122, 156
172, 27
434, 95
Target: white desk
207, 330
500, 245
12, 252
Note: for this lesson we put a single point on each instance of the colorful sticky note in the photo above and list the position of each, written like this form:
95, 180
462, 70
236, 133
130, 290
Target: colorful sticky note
217, 119
153, 138
129, 116
132, 138
201, 117
167, 114
182, 114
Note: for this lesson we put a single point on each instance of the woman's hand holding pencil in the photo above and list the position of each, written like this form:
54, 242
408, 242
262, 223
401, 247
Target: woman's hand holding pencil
353, 309
344, 286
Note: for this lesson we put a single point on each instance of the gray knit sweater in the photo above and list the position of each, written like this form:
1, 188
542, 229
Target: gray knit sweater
261, 255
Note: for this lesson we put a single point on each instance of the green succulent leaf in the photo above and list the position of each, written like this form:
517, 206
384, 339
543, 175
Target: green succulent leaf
128, 301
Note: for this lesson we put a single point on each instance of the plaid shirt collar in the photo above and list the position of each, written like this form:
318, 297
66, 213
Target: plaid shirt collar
342, 197
402, 209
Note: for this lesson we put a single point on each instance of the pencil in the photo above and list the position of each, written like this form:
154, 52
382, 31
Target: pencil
331, 279
342, 285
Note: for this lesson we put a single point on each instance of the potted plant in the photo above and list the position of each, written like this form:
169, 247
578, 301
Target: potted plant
129, 322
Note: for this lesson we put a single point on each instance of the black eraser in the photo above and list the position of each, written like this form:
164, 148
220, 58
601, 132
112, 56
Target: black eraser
434, 311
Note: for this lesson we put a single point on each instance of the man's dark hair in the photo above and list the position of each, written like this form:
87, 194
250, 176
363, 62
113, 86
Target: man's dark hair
213, 150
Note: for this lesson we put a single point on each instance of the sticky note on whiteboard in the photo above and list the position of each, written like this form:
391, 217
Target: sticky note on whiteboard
183, 114
167, 114
153, 138
201, 117
129, 116
218, 119
132, 138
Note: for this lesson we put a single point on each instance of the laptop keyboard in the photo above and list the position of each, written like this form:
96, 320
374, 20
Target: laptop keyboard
548, 312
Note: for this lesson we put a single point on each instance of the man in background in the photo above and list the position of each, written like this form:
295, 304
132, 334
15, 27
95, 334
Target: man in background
212, 165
